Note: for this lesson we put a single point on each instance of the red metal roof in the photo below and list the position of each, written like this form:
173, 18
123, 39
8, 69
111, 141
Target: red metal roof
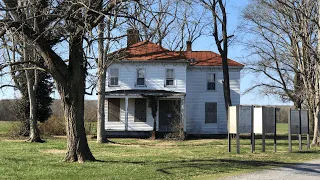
148, 51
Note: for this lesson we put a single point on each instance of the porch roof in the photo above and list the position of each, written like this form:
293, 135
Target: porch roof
144, 93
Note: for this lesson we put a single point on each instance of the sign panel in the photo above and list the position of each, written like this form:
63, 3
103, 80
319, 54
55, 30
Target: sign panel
268, 119
294, 115
257, 120
295, 123
264, 120
232, 119
304, 122
244, 119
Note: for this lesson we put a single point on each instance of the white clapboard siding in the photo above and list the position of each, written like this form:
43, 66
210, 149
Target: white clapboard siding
139, 126
154, 78
132, 126
114, 126
197, 95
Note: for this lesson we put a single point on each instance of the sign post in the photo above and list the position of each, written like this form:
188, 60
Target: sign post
299, 136
237, 130
252, 133
308, 132
275, 131
289, 131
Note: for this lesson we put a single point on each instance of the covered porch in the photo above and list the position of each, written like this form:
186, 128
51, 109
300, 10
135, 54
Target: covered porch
144, 111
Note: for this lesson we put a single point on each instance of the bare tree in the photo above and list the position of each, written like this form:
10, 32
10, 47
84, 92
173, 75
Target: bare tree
285, 46
65, 22
170, 22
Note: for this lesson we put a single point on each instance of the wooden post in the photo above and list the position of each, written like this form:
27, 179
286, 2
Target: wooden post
275, 131
182, 111
308, 136
229, 138
237, 130
252, 130
300, 130
263, 134
126, 114
229, 142
289, 131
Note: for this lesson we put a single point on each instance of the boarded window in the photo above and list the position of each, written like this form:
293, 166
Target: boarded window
140, 77
211, 112
211, 82
114, 77
114, 109
140, 110
169, 77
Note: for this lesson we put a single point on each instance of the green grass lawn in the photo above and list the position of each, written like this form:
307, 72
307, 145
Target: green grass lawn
142, 159
6, 126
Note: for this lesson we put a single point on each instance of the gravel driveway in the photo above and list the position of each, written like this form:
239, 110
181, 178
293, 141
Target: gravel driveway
303, 171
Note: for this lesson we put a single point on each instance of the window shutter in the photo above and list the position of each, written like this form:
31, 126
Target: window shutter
114, 109
210, 112
140, 110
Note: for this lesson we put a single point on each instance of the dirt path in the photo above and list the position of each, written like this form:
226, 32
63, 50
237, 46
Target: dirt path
303, 171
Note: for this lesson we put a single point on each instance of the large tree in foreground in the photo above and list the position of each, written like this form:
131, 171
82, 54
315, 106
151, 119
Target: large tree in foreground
66, 22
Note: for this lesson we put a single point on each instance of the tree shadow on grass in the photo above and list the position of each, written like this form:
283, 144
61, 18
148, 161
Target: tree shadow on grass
218, 165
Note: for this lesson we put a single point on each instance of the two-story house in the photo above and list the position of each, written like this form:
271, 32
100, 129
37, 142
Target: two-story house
151, 88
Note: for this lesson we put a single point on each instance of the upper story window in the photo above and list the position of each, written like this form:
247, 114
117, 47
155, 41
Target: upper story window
211, 82
169, 77
114, 77
141, 73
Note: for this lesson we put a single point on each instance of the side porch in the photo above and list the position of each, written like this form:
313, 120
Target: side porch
131, 112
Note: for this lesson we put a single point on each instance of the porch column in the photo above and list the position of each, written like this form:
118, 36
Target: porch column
157, 128
183, 113
126, 114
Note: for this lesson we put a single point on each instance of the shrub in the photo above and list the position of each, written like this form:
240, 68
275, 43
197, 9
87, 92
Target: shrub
53, 126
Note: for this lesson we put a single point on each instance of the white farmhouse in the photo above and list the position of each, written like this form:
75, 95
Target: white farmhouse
151, 88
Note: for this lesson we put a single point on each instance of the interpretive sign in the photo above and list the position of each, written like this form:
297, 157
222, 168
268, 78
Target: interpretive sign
298, 123
264, 120
244, 116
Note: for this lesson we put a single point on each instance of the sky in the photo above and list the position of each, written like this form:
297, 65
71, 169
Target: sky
236, 52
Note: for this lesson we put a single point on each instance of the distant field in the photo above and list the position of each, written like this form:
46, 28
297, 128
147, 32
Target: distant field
143, 158
282, 128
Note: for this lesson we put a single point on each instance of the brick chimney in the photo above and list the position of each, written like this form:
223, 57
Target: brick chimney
133, 37
189, 46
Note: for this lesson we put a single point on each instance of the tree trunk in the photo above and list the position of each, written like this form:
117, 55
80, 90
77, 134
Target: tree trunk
316, 127
34, 135
224, 55
77, 144
101, 88
317, 99
72, 95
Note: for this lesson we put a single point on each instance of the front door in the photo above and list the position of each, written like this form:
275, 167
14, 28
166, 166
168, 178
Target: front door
169, 115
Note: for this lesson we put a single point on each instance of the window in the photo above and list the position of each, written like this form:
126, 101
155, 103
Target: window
114, 109
140, 77
211, 82
169, 77
140, 111
211, 112
114, 77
